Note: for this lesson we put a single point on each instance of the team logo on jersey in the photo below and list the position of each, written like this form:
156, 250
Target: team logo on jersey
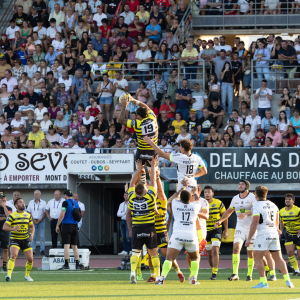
291, 213
213, 205
16, 215
259, 245
284, 213
242, 210
185, 206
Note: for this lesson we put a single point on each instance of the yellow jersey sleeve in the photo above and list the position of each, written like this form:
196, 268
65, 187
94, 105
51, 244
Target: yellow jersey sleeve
222, 208
9, 220
133, 123
30, 220
131, 196
152, 193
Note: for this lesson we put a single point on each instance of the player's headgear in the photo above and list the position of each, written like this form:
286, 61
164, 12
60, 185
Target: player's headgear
247, 184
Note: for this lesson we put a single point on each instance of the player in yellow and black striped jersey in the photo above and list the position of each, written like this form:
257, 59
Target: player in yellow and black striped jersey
214, 235
290, 220
140, 218
144, 125
18, 223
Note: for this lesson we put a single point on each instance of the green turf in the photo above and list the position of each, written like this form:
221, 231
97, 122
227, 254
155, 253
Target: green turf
113, 284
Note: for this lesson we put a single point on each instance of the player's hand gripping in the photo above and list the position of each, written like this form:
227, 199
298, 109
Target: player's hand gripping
16, 228
225, 234
147, 139
139, 165
185, 183
247, 243
242, 216
154, 161
57, 229
217, 224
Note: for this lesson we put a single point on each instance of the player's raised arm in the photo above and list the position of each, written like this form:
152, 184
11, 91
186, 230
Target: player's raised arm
225, 216
160, 190
156, 148
201, 172
153, 163
136, 174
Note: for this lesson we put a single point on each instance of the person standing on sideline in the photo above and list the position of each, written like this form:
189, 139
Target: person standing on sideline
265, 220
10, 203
18, 224
37, 209
82, 208
126, 240
5, 211
70, 233
52, 211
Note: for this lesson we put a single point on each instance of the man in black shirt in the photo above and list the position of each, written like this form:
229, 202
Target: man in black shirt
42, 11
20, 16
205, 122
34, 17
120, 26
86, 68
5, 211
32, 96
45, 97
171, 136
216, 111
111, 7
192, 120
163, 124
106, 53
18, 96
10, 57
10, 109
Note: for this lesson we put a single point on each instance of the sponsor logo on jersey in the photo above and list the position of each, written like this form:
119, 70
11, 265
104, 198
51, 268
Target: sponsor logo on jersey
213, 205
242, 210
291, 213
143, 235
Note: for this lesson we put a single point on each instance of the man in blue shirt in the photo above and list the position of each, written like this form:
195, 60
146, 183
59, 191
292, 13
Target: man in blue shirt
288, 53
51, 56
153, 30
52, 3
69, 233
23, 54
183, 98
77, 84
98, 41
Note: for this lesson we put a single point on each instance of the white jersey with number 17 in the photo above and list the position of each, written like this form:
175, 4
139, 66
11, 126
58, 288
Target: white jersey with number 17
187, 166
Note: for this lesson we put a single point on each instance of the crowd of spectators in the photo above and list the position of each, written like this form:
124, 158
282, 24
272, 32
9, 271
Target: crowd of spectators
64, 66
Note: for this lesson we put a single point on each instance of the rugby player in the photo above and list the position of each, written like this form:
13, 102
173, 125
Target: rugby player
242, 205
140, 218
184, 235
18, 223
189, 166
290, 219
265, 219
214, 235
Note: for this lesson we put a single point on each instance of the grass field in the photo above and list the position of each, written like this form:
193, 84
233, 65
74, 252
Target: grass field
113, 284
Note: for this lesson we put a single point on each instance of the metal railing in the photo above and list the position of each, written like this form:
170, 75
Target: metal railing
256, 17
278, 75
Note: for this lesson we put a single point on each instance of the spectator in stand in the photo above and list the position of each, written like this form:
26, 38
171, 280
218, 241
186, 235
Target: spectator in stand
245, 96
199, 100
25, 108
269, 143
254, 120
245, 7
219, 63
17, 42
295, 120
10, 110
142, 93
99, 16
135, 28
163, 124
169, 39
192, 120
223, 46
292, 136
169, 107
16, 124
120, 26
264, 96
183, 134
178, 122
236, 127
183, 97
228, 142
10, 31
267, 121
260, 137
88, 121
198, 137
163, 57
143, 55
214, 135
98, 138
156, 13
247, 135
64, 138
127, 14
181, 11
153, 30
112, 135
261, 56
157, 88
228, 82
287, 53
205, 122
119, 144
10, 81
171, 136
217, 112
36, 135
189, 57
238, 120
286, 102
60, 122
275, 135
51, 31
82, 137
285, 140
166, 147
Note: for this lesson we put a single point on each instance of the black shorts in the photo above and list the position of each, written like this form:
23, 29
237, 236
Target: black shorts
69, 234
144, 235
144, 155
4, 240
214, 234
292, 239
24, 245
162, 239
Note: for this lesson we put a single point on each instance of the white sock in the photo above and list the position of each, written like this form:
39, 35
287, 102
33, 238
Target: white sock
297, 270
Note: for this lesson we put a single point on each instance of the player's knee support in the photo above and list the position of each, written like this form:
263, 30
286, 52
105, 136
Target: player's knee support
250, 248
216, 243
208, 246
238, 240
136, 252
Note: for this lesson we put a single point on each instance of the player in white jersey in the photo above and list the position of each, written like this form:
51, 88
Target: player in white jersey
184, 235
242, 205
265, 219
189, 165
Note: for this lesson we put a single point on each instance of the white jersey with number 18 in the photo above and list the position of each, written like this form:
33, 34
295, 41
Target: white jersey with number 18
187, 166
185, 216
267, 211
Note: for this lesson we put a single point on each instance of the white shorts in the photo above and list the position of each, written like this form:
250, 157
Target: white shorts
242, 233
189, 242
267, 241
189, 188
